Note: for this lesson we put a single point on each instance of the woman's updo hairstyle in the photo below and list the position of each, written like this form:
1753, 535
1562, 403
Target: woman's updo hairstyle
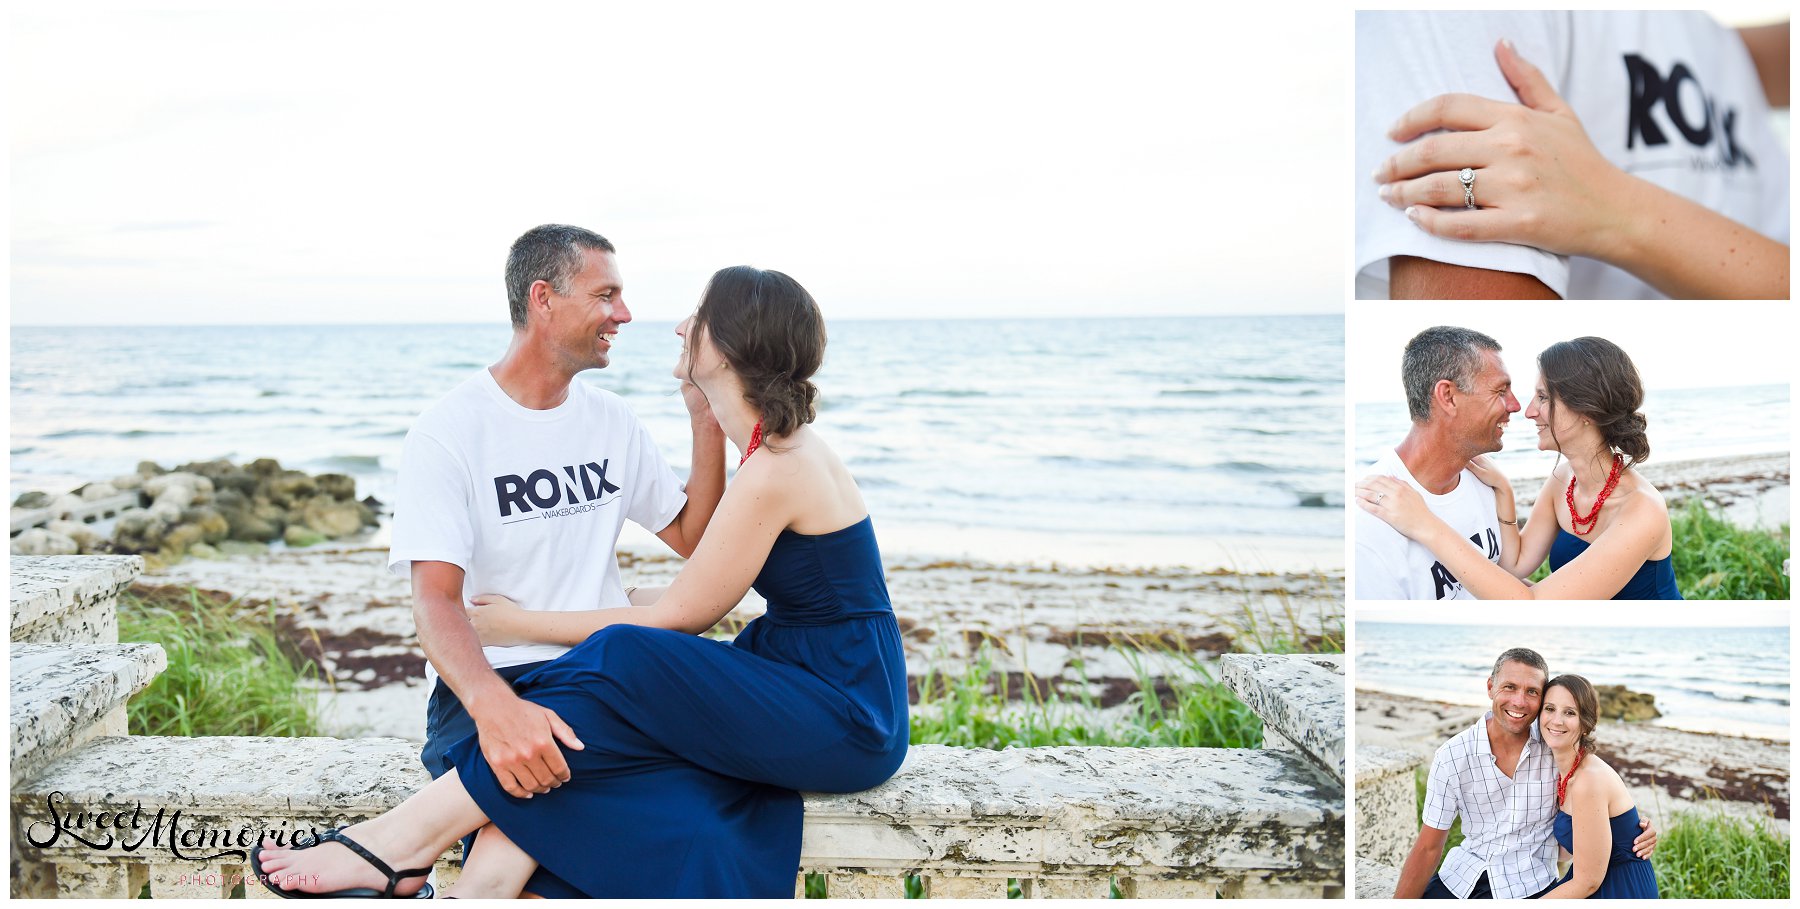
1597, 380
773, 335
1587, 705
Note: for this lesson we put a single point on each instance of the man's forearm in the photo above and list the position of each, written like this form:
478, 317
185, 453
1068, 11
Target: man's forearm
1415, 875
705, 484
450, 643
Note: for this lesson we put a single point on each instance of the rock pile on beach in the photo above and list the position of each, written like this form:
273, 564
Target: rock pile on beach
1620, 703
206, 509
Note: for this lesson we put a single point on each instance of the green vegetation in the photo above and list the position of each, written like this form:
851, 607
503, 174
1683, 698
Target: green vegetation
1716, 560
1707, 856
227, 672
984, 707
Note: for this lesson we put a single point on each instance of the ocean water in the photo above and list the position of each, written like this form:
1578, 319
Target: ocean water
1167, 427
1732, 680
1685, 423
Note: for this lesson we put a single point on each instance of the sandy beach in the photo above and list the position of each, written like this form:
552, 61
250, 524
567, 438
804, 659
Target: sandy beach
341, 606
1668, 770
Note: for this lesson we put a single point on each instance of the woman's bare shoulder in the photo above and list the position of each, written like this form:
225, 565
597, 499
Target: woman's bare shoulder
1602, 781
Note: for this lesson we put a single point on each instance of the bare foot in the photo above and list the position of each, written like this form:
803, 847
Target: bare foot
332, 866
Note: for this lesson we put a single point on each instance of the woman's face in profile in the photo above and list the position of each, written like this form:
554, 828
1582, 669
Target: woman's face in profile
1553, 421
696, 353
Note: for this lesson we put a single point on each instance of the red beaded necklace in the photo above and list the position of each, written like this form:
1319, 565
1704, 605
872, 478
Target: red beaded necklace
1562, 782
756, 442
1593, 517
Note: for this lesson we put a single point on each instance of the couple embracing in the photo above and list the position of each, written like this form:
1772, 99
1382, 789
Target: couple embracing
1526, 782
585, 734
1437, 520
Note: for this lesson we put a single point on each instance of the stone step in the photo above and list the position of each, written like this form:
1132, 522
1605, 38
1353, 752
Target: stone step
1255, 822
1299, 698
66, 694
69, 599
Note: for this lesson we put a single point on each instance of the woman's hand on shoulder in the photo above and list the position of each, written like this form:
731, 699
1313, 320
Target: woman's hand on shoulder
1488, 473
496, 620
1396, 503
1539, 181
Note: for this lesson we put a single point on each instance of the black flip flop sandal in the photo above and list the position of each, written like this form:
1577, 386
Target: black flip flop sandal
337, 836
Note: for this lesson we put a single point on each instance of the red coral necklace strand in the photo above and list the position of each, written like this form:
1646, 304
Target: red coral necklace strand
756, 442
1562, 783
1593, 517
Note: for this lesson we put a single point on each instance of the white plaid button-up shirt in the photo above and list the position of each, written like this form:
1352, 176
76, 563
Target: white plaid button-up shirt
1506, 822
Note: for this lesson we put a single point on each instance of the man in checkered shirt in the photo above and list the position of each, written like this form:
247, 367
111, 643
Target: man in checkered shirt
1508, 851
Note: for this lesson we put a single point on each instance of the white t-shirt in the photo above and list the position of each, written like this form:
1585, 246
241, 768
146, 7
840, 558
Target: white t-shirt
529, 503
1670, 97
1391, 567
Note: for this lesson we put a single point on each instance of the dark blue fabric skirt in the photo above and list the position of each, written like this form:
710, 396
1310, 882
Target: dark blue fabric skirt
694, 751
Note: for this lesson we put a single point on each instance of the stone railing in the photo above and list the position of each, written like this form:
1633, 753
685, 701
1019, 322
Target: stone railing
1387, 817
97, 813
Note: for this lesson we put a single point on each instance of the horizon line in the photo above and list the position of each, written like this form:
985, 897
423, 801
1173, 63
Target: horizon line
956, 318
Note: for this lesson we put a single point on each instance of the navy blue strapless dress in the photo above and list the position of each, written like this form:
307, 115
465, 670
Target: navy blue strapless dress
1627, 876
1655, 580
696, 748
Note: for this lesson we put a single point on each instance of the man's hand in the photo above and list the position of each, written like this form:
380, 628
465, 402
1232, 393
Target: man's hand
1646, 841
519, 738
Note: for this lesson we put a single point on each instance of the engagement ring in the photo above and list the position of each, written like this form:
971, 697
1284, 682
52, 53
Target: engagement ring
1467, 176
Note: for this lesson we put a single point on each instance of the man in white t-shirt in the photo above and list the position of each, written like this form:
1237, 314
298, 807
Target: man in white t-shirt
1460, 398
518, 483
1670, 97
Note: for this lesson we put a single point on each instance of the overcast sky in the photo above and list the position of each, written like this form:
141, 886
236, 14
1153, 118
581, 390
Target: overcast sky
337, 163
1672, 343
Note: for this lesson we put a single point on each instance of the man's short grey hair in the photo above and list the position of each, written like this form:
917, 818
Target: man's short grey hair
548, 252
1435, 354
1524, 657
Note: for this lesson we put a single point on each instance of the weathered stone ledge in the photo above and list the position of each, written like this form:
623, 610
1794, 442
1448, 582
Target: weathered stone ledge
1301, 699
1232, 820
52, 595
64, 694
1386, 804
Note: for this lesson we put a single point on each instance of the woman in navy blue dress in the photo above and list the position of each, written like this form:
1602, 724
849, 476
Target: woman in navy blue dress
1604, 528
689, 752
1596, 819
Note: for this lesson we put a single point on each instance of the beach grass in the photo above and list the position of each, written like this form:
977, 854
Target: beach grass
983, 706
1707, 855
227, 673
1718, 560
